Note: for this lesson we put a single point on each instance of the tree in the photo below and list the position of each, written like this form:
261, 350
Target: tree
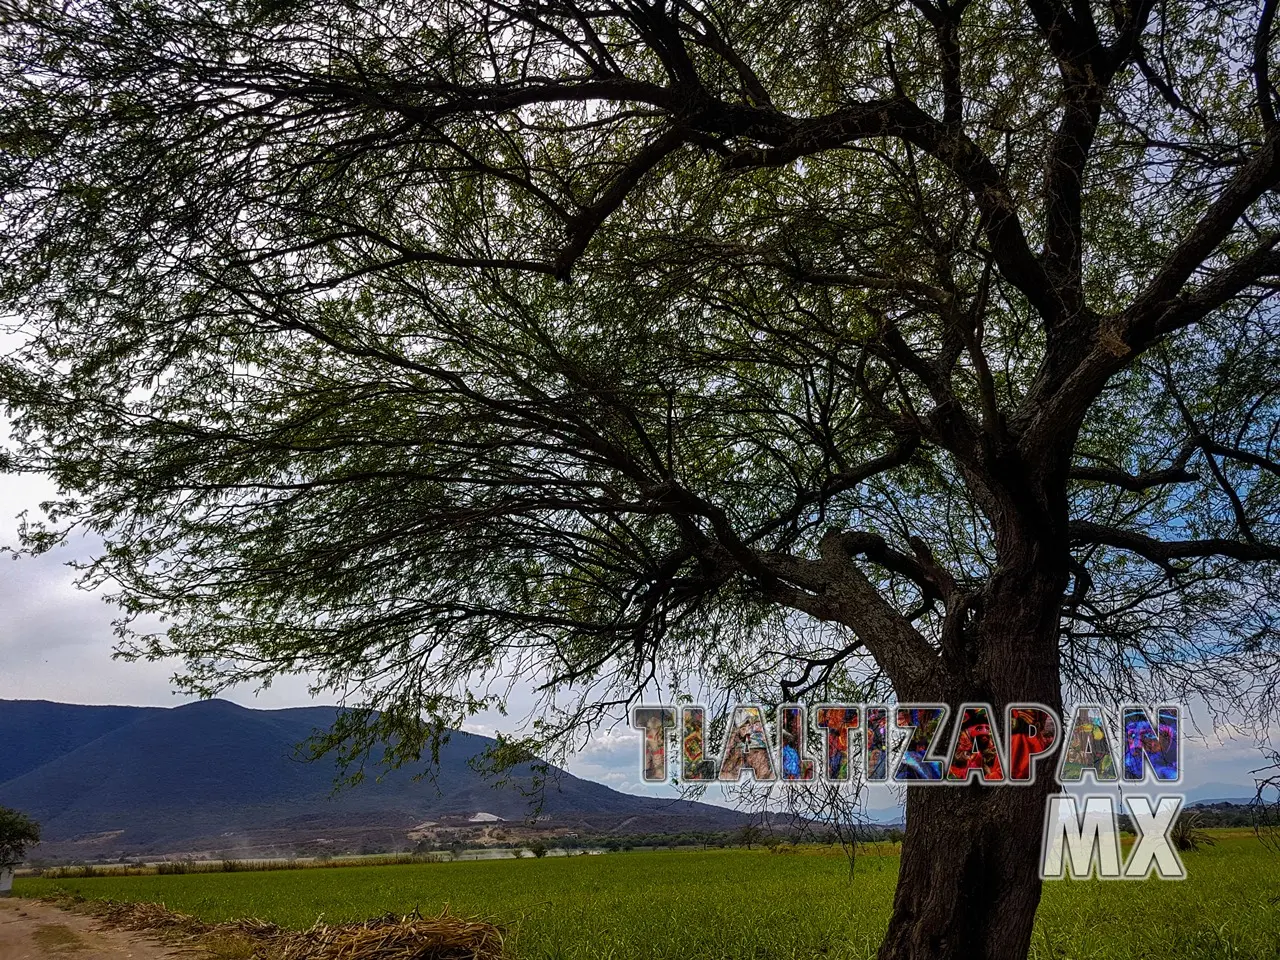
749, 835
800, 346
17, 832
1264, 808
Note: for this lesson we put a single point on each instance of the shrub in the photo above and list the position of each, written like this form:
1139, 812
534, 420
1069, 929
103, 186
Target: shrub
1188, 832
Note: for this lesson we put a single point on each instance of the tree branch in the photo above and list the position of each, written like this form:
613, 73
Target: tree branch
1136, 483
901, 118
1262, 68
1162, 552
583, 227
833, 588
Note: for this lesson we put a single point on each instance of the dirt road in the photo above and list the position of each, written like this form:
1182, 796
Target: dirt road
31, 930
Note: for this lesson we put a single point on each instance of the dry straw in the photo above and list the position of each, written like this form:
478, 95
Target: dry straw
412, 937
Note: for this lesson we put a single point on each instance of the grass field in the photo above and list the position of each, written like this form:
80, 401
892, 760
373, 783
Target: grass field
737, 904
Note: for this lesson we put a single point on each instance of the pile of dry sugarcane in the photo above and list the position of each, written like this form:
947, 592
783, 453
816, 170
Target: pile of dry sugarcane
392, 937
413, 937
158, 918
144, 916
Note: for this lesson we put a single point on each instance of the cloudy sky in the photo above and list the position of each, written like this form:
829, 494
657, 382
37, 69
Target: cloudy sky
56, 643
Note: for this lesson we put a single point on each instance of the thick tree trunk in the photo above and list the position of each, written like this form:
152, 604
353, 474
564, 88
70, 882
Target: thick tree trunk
969, 883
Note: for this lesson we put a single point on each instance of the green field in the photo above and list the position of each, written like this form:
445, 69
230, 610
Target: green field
736, 904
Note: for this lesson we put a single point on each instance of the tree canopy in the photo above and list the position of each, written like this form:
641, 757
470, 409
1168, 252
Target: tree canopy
17, 832
398, 344
802, 345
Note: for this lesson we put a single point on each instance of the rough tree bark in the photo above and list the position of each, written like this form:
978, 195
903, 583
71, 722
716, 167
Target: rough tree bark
969, 884
969, 881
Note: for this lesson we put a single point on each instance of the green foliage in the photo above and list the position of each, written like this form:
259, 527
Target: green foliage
526, 338
1189, 831
725, 905
811, 349
17, 832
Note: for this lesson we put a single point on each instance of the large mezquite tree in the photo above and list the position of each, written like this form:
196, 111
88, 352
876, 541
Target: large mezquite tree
609, 344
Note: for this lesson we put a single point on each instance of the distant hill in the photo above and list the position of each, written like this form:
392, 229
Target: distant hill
216, 777
1221, 793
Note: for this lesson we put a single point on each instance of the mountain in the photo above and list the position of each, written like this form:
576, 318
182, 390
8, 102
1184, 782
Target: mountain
1221, 793
213, 776
34, 731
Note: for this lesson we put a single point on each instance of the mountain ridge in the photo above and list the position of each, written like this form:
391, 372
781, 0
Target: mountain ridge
212, 775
